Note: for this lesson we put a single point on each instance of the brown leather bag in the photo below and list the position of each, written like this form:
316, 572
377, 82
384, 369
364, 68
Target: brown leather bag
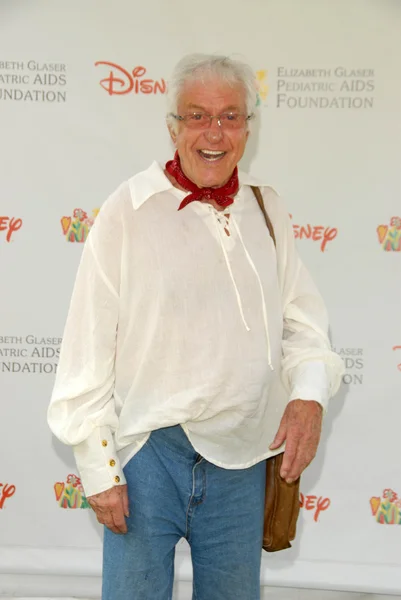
282, 498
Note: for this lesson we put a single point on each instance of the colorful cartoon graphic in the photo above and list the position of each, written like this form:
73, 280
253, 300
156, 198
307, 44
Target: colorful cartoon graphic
387, 508
71, 494
314, 503
390, 235
77, 227
263, 88
6, 491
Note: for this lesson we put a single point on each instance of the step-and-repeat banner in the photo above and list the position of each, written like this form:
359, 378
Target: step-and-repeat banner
82, 107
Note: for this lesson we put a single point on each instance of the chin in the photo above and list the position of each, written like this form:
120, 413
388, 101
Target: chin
210, 183
213, 180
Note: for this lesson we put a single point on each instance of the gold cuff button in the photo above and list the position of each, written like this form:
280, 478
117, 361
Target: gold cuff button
112, 463
116, 479
104, 443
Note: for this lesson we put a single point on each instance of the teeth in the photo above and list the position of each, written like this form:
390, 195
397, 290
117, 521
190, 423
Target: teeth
213, 152
211, 155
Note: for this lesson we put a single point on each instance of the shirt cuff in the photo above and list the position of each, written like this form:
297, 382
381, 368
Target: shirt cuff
310, 382
98, 463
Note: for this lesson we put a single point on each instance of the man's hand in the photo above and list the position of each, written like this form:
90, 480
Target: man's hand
300, 427
111, 508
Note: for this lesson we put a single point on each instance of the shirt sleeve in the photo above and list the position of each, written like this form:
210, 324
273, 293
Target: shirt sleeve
82, 410
310, 369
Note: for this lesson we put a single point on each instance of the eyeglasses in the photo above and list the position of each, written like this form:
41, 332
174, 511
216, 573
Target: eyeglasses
200, 120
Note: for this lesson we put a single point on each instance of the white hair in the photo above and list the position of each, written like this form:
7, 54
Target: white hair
203, 67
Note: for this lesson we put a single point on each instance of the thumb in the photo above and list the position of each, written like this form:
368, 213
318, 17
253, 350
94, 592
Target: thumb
125, 502
280, 437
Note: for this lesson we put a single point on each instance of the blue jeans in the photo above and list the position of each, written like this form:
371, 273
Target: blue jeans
175, 493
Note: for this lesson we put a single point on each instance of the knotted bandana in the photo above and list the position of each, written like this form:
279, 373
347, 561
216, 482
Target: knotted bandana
222, 195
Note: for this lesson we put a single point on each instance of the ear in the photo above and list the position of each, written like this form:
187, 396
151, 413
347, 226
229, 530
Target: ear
173, 134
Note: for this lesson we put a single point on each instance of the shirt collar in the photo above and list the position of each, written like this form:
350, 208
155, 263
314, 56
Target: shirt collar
246, 179
152, 181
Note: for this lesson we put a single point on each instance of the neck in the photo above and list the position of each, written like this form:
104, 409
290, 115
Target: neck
173, 181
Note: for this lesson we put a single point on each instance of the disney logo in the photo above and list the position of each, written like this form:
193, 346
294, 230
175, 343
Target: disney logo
120, 81
315, 233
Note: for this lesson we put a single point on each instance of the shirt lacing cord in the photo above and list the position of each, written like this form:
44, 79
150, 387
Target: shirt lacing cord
238, 295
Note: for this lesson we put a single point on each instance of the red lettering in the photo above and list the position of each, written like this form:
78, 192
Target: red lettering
10, 225
310, 502
160, 86
321, 506
317, 232
15, 224
305, 232
113, 84
329, 235
146, 86
8, 491
138, 71
120, 81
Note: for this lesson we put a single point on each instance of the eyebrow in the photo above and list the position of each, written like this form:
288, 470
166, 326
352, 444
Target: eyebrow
196, 106
232, 107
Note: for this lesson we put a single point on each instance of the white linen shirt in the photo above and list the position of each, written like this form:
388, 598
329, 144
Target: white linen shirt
187, 317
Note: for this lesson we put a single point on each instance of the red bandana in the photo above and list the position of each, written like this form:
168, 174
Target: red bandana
221, 195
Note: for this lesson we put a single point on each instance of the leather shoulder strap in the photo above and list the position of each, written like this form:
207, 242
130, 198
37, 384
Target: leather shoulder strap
259, 198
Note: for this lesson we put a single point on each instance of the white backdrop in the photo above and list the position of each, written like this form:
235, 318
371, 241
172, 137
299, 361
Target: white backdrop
330, 143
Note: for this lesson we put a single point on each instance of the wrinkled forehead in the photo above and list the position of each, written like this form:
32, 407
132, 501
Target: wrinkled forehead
212, 95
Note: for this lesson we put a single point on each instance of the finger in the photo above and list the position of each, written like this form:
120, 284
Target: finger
280, 437
296, 469
290, 454
106, 519
98, 512
112, 516
117, 514
303, 459
111, 525
119, 522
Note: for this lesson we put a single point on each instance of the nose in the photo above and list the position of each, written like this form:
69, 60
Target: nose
214, 132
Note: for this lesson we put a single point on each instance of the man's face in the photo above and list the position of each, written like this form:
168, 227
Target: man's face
213, 97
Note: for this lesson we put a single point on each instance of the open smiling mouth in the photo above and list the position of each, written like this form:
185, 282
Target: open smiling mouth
212, 155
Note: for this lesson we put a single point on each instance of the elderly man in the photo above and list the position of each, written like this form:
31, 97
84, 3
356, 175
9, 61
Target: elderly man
183, 321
